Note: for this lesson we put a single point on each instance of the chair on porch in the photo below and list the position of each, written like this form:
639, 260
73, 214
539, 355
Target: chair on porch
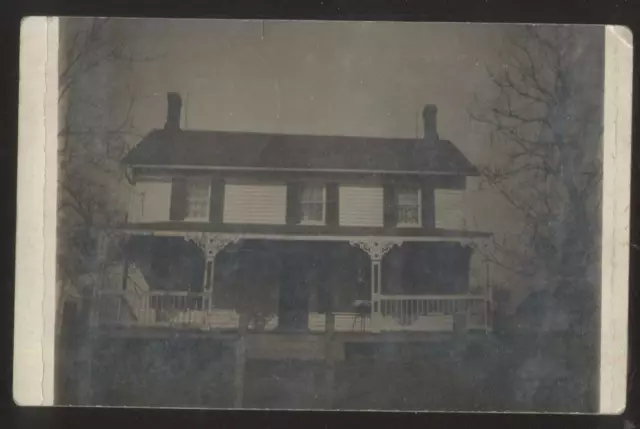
362, 310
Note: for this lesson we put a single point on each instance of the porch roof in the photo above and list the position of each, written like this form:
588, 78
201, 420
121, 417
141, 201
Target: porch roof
247, 150
296, 232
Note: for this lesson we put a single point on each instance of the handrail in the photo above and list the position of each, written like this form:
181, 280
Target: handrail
179, 293
432, 297
136, 287
137, 305
156, 293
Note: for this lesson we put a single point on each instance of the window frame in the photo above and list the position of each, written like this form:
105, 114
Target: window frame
188, 217
418, 192
301, 204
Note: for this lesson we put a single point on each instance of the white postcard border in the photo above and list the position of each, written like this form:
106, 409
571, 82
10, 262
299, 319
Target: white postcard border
616, 199
35, 292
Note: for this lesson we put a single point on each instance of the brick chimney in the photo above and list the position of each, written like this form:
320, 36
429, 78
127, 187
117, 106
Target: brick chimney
174, 108
430, 122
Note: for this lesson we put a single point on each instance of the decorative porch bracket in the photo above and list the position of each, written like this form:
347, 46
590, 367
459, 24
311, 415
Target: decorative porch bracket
211, 244
376, 249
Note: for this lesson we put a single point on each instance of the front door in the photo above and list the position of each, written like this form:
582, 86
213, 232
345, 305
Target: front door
293, 308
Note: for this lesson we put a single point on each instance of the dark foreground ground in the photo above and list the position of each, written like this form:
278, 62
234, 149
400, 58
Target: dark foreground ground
500, 373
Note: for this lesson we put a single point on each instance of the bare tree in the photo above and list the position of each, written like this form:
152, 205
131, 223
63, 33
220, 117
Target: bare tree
546, 129
94, 133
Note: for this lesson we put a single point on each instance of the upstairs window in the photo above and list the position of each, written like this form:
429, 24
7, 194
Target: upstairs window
408, 208
312, 204
197, 199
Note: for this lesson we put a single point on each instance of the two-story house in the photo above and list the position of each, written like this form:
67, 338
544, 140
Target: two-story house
298, 232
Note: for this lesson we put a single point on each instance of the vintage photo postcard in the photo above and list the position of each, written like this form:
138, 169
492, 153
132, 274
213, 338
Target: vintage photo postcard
323, 215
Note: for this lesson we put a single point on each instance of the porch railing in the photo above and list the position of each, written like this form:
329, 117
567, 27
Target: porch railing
432, 312
136, 306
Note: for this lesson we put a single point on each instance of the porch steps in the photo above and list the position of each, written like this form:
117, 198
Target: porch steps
274, 346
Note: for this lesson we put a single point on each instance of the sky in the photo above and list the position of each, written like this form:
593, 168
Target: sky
344, 78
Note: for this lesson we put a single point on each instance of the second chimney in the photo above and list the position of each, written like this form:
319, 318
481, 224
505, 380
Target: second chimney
430, 122
174, 108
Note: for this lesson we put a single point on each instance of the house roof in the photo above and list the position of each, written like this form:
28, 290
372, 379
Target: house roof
226, 149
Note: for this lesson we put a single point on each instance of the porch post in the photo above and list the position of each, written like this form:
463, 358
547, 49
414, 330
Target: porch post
329, 347
211, 245
240, 363
125, 268
376, 249
488, 303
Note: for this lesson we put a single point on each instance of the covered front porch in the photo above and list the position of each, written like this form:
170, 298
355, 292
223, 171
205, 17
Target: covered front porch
218, 282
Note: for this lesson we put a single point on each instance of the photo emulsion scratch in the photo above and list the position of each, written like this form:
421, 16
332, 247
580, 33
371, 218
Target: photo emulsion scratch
332, 215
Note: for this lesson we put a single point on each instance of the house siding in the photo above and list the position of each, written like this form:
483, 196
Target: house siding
361, 206
449, 213
238, 201
150, 201
255, 203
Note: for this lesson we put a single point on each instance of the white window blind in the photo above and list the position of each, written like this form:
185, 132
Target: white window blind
255, 203
361, 206
449, 209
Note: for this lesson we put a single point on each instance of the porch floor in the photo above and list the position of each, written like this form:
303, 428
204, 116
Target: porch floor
278, 345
